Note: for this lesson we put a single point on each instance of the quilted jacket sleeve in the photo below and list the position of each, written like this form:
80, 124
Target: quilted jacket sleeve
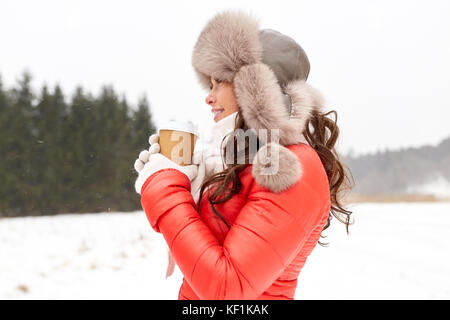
266, 235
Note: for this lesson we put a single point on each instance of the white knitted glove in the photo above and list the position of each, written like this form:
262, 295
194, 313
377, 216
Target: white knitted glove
197, 159
145, 154
151, 161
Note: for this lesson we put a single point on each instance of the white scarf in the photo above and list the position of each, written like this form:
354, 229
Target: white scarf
211, 160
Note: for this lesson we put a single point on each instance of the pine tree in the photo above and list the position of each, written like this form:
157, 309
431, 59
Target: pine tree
4, 174
143, 125
19, 145
50, 163
81, 139
3, 99
106, 106
126, 198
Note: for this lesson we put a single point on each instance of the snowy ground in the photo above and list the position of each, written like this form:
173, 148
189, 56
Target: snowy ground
394, 251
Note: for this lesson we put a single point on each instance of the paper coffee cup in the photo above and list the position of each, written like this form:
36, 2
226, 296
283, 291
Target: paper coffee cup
177, 140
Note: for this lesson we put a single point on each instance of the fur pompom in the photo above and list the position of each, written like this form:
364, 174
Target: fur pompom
276, 168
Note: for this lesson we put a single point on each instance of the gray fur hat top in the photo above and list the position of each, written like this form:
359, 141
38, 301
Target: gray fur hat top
269, 71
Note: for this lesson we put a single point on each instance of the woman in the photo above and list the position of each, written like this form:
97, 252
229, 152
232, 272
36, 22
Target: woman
257, 220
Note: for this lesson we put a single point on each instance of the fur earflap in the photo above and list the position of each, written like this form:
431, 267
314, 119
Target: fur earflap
276, 168
260, 97
263, 106
305, 99
228, 41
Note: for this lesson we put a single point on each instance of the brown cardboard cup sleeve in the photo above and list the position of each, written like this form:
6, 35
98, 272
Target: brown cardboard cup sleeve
177, 140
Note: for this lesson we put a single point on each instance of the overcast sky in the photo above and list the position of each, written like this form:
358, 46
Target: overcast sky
383, 65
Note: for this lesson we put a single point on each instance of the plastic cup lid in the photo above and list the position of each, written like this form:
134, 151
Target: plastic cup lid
179, 125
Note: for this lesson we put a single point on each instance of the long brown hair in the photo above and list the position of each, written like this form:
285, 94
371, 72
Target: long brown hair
321, 133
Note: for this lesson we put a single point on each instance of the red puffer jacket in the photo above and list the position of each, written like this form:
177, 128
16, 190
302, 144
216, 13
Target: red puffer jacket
271, 234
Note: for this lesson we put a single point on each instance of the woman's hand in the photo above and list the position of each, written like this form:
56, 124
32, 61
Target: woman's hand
150, 161
145, 154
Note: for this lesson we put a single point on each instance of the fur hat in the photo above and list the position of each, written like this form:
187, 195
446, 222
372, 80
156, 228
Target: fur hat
269, 72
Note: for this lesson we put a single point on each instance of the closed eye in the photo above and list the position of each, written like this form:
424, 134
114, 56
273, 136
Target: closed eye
212, 84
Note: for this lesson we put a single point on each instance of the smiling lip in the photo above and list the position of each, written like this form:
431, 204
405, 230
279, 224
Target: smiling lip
217, 113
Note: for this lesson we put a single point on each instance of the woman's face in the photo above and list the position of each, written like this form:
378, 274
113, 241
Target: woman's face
222, 99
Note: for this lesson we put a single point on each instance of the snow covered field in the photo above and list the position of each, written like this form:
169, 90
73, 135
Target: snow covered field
394, 251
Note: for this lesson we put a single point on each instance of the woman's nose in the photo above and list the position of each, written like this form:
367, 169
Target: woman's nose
210, 99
